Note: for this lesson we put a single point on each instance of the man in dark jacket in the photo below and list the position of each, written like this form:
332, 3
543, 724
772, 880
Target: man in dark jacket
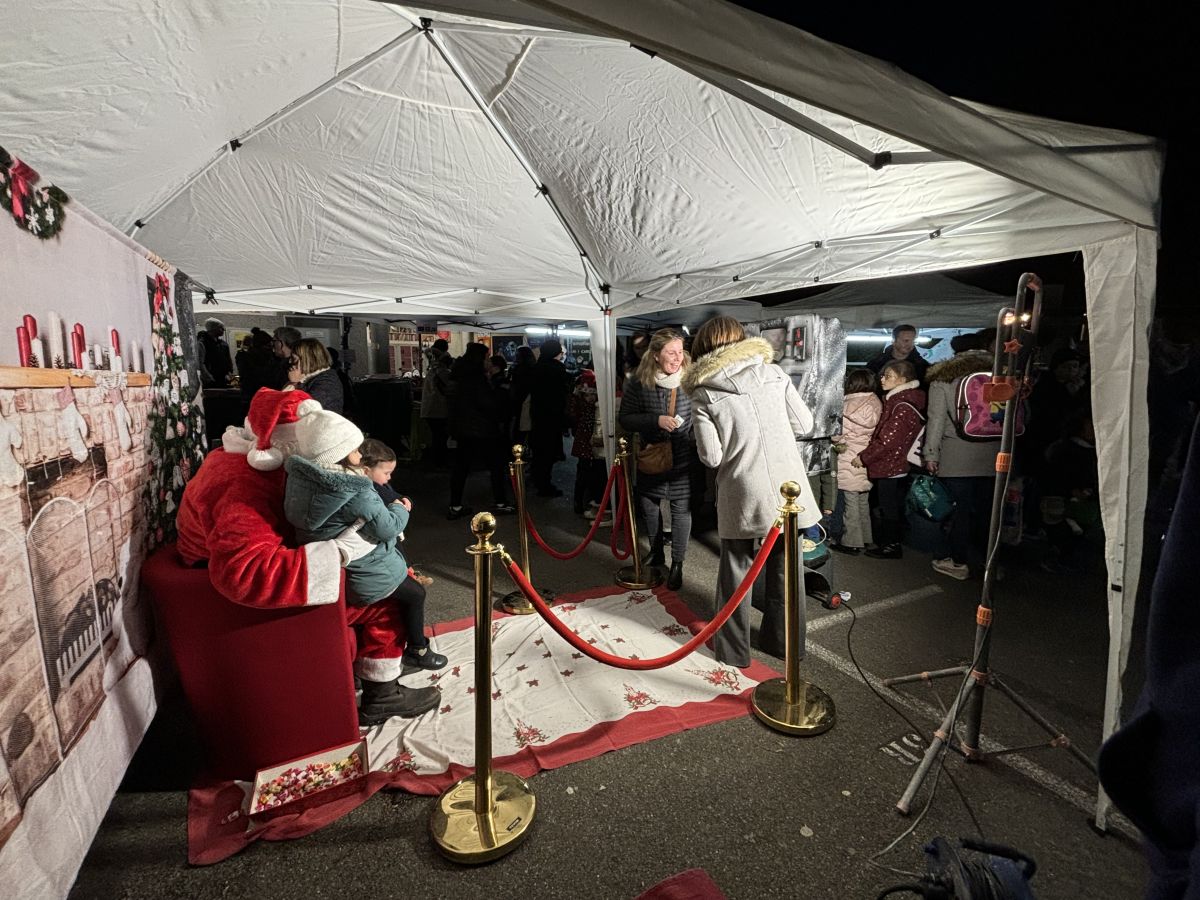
551, 392
903, 346
474, 422
215, 363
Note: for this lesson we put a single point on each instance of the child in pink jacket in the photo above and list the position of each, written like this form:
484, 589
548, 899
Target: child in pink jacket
860, 415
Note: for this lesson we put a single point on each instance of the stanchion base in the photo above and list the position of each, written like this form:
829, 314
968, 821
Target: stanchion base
813, 714
465, 837
652, 577
516, 603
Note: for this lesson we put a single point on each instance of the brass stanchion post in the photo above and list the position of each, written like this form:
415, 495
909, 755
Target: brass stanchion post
638, 576
791, 704
515, 602
485, 815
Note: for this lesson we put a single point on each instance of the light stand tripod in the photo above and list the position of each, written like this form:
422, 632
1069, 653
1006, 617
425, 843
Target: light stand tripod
1016, 334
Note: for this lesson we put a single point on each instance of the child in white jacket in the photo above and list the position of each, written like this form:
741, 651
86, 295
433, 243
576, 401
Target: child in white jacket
860, 415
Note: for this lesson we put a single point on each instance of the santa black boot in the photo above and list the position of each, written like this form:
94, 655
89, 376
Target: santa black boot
383, 699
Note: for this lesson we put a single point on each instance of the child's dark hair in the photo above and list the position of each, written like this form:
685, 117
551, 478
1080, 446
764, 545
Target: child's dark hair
901, 367
375, 452
860, 381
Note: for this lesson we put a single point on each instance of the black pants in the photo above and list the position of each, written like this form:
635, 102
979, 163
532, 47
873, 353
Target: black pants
892, 492
547, 443
436, 452
590, 478
972, 515
481, 452
410, 604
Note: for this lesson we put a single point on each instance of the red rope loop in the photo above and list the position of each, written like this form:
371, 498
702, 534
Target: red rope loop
591, 531
621, 525
674, 656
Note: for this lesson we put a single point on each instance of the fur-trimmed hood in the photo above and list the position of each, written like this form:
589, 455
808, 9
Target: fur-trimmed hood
959, 365
716, 370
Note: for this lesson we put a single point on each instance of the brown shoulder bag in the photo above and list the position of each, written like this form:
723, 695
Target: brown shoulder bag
654, 459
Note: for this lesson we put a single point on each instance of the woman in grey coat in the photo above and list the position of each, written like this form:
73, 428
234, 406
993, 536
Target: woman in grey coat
966, 468
644, 407
748, 415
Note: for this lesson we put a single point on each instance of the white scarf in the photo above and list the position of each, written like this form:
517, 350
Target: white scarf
907, 386
668, 382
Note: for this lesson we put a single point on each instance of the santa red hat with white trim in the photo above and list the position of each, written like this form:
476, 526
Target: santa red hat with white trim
272, 419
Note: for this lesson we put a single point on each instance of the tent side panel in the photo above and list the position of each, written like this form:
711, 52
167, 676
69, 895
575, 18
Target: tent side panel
1120, 279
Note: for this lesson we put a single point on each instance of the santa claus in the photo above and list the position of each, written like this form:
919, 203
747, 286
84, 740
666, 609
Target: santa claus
232, 520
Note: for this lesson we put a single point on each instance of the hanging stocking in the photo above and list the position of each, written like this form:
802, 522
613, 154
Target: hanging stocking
11, 473
74, 425
123, 419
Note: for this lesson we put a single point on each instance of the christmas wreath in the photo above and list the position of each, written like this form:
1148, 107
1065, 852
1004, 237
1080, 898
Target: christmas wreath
38, 210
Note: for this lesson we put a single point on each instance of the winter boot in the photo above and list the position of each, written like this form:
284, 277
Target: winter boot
383, 699
675, 576
422, 658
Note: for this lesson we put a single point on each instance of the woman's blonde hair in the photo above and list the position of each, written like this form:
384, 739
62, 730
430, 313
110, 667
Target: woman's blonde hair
312, 355
716, 333
649, 363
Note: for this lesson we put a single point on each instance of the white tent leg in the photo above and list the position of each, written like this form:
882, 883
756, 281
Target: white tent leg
1120, 278
603, 331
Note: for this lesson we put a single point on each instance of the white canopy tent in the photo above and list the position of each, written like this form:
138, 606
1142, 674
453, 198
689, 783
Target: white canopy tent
523, 158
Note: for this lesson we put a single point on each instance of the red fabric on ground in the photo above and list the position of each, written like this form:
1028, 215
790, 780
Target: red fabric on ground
694, 884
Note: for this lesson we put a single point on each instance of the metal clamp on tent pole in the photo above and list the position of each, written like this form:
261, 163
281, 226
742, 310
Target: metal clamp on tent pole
487, 814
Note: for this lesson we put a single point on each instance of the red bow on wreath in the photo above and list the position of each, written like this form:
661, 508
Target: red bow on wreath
22, 178
162, 294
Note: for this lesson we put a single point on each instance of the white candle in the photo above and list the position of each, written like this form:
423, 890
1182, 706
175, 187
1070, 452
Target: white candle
133, 357
97, 357
38, 347
56, 342
114, 362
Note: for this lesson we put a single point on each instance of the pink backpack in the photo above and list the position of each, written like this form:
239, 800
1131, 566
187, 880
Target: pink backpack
978, 419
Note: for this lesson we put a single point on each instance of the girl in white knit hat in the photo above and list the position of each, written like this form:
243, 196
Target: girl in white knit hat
328, 491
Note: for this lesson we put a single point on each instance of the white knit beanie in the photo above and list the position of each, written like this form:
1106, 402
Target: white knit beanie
325, 438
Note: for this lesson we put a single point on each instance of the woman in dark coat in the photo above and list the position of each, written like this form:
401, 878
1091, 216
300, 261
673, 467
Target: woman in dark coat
644, 407
520, 385
309, 370
474, 421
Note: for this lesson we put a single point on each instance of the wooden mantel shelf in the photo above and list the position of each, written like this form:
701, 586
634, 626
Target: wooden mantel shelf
19, 377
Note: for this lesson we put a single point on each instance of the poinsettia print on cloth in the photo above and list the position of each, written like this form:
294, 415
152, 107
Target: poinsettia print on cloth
721, 676
638, 699
528, 734
544, 690
402, 762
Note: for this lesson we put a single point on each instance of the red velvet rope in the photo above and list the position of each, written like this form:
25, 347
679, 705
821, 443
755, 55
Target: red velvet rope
621, 525
675, 655
591, 531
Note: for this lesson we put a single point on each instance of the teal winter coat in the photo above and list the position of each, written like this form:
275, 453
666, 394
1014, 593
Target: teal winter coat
322, 503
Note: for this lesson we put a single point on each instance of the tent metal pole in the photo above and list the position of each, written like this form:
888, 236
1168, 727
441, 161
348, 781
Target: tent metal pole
349, 72
140, 223
461, 75
229, 148
772, 107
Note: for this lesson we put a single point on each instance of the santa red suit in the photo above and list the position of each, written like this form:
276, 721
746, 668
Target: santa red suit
231, 518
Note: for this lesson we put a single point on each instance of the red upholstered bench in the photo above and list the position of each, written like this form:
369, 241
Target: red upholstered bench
264, 686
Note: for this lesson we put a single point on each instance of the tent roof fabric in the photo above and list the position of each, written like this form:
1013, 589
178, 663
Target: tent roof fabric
522, 169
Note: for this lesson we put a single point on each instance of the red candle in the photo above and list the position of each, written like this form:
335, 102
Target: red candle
23, 344
77, 349
115, 342
31, 325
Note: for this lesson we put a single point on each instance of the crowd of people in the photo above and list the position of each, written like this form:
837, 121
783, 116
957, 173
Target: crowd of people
713, 411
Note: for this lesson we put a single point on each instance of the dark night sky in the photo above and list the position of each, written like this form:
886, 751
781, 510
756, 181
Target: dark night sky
1131, 66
